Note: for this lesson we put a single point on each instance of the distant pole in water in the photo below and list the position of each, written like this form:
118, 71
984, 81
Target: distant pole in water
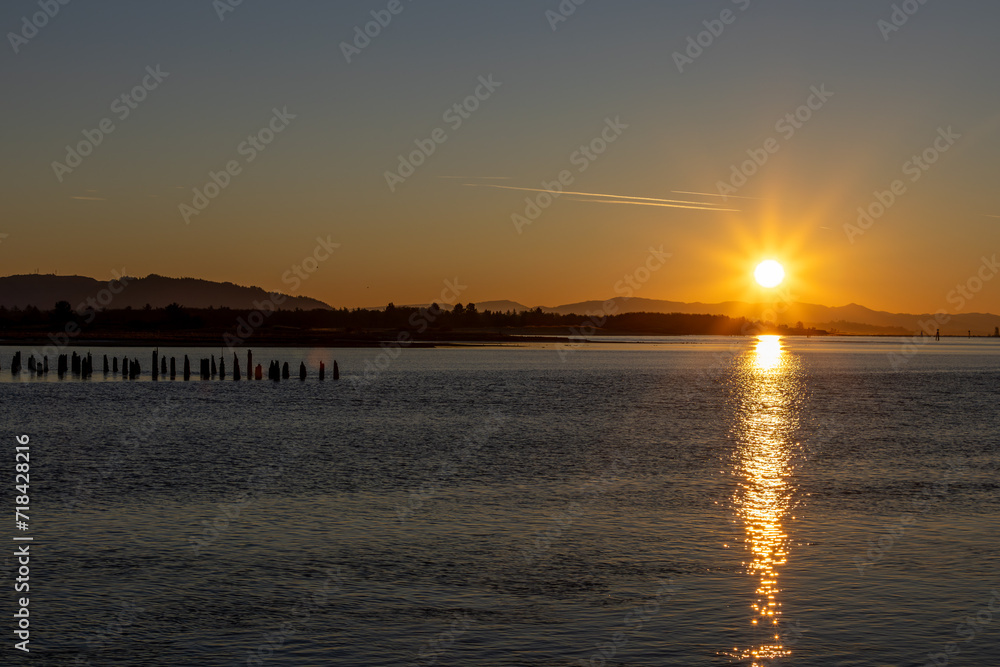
236, 368
156, 364
106, 364
302, 370
258, 373
187, 368
284, 371
124, 367
336, 370
937, 335
214, 369
31, 364
322, 371
173, 368
114, 362
163, 366
45, 364
204, 369
250, 363
222, 368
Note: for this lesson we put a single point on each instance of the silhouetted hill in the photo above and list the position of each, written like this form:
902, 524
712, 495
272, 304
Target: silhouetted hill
43, 291
851, 318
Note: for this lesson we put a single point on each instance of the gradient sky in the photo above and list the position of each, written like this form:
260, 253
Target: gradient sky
324, 175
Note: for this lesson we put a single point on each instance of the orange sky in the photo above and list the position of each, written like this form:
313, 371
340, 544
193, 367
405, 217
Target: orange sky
606, 80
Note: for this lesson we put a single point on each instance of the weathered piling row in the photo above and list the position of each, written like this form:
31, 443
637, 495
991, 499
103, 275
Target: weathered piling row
83, 366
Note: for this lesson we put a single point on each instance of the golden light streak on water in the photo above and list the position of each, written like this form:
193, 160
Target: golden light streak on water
767, 416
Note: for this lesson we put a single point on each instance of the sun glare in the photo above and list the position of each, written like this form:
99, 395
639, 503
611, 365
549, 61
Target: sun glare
769, 273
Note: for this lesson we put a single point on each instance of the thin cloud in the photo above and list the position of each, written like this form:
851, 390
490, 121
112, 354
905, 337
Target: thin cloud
600, 196
991, 216
90, 198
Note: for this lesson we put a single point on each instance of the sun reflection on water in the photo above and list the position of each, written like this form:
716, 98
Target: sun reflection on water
767, 391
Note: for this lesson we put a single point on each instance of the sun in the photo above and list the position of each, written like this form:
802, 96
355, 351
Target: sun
769, 273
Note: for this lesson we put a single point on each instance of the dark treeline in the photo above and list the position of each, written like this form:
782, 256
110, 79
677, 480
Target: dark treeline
392, 318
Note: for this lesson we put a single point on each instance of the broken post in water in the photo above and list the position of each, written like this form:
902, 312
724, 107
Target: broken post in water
322, 371
156, 365
258, 373
236, 368
336, 370
284, 371
106, 364
173, 368
187, 368
302, 370
222, 368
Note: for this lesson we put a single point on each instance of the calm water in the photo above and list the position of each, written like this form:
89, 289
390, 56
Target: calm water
693, 502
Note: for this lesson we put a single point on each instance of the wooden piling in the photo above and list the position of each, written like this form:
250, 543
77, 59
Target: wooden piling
302, 371
322, 371
336, 370
187, 368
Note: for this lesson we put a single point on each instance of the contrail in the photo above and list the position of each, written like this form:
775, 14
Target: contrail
711, 194
643, 203
704, 205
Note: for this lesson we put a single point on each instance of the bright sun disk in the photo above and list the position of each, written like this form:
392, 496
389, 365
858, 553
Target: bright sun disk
769, 273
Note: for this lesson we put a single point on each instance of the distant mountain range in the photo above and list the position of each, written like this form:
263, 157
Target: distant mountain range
43, 291
851, 318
